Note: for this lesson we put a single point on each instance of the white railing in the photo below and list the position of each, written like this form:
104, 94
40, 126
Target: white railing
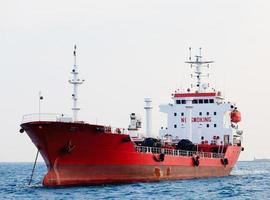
175, 152
54, 117
46, 117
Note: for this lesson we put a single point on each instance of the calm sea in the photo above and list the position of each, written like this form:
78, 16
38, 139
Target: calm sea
249, 180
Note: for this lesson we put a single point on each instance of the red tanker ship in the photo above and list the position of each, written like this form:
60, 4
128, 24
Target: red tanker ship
201, 139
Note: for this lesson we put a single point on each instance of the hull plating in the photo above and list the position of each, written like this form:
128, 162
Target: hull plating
101, 174
79, 154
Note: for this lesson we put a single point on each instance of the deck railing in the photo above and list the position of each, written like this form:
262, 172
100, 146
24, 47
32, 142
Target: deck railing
52, 117
175, 152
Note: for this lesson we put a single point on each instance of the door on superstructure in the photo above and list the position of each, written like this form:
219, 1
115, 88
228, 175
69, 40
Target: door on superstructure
226, 139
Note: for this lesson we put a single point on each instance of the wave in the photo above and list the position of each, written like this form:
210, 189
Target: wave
243, 172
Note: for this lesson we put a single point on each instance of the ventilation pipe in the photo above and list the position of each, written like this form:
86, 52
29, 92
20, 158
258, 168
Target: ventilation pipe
148, 110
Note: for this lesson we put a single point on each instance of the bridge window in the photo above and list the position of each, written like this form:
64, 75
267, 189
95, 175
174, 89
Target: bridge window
207, 125
215, 113
215, 125
175, 126
200, 113
175, 114
178, 101
195, 101
207, 113
182, 114
206, 101
200, 100
183, 102
211, 100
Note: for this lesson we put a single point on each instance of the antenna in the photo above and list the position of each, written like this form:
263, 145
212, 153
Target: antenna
75, 81
40, 98
189, 53
198, 64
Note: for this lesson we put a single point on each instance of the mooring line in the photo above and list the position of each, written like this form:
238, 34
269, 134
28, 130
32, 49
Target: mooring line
33, 167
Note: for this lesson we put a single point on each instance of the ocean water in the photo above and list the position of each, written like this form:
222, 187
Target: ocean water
249, 180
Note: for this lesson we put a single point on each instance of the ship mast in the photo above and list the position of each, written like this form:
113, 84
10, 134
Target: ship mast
75, 81
198, 64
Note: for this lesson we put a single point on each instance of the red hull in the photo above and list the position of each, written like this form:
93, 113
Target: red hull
78, 154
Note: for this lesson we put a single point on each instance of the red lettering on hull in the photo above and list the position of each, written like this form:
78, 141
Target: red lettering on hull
196, 119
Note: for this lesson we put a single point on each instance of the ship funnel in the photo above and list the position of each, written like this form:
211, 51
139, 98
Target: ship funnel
148, 109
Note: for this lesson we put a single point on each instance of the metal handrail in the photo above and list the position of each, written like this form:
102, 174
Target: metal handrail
54, 117
175, 152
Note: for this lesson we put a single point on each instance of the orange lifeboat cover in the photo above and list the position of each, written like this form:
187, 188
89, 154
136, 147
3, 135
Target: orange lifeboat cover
235, 116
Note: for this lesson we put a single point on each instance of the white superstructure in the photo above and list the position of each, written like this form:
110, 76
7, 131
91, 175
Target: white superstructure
201, 114
134, 128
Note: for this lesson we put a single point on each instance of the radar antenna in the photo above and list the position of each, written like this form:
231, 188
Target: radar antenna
198, 64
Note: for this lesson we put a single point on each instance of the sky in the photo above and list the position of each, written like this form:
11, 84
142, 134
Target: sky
128, 50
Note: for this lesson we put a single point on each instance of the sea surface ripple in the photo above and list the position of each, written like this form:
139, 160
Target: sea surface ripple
249, 180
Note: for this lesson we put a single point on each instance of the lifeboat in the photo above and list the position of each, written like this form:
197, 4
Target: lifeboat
235, 116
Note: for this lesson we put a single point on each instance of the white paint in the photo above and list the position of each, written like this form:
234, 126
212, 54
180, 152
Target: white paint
189, 108
214, 118
194, 130
75, 81
148, 115
134, 128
